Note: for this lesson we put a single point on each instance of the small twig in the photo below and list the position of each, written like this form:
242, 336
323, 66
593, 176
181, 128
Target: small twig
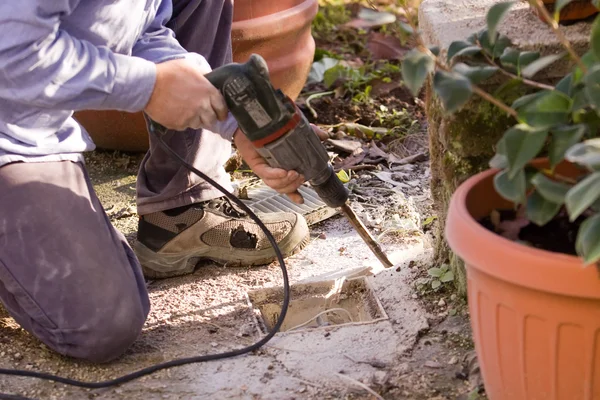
526, 81
316, 96
362, 385
559, 33
560, 177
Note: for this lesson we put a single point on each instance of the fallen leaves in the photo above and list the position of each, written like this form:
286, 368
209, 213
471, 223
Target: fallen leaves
385, 47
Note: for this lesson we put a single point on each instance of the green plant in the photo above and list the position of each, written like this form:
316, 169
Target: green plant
440, 275
560, 121
331, 14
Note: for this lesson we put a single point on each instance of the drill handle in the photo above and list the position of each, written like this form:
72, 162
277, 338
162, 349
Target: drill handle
256, 65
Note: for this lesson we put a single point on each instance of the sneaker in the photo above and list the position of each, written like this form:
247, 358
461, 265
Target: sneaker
170, 243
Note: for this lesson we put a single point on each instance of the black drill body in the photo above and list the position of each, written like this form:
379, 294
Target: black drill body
277, 128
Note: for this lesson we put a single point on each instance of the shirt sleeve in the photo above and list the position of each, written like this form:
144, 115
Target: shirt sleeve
43, 66
158, 43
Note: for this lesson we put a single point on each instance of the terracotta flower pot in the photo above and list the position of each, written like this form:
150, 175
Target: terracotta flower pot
535, 314
577, 10
280, 31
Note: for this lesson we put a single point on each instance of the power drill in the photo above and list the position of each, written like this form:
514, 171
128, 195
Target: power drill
276, 127
282, 135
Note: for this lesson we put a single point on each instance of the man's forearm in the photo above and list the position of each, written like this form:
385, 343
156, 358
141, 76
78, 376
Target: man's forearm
43, 66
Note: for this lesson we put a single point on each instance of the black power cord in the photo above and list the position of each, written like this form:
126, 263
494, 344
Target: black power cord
158, 131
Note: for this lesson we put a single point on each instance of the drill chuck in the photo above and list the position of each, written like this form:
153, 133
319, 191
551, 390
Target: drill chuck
332, 191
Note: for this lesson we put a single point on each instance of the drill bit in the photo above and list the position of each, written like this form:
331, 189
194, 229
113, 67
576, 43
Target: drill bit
366, 236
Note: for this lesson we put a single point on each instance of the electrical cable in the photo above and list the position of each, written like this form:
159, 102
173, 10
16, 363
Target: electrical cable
154, 129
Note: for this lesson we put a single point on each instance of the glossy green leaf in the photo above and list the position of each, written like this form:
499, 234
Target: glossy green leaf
563, 138
511, 189
406, 28
317, 72
435, 272
550, 108
475, 74
586, 153
592, 87
460, 47
500, 45
540, 64
527, 57
524, 100
435, 50
510, 58
588, 240
583, 195
416, 66
453, 89
580, 101
565, 85
550, 189
595, 38
539, 210
494, 17
472, 38
589, 59
499, 160
522, 144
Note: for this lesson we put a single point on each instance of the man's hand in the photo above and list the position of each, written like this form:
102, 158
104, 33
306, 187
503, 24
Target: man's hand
283, 181
183, 98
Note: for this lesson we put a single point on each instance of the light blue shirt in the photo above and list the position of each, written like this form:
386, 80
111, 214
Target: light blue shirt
61, 56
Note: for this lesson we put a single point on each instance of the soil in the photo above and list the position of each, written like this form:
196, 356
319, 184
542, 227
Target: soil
559, 235
336, 110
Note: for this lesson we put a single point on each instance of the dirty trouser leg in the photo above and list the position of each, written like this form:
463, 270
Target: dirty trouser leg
66, 275
203, 27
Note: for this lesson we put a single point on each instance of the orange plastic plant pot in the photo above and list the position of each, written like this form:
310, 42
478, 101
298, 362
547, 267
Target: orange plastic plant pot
535, 314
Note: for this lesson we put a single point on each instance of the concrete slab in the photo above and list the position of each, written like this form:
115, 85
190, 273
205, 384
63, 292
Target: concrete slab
444, 21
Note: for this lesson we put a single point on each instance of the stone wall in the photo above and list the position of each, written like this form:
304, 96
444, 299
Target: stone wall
462, 144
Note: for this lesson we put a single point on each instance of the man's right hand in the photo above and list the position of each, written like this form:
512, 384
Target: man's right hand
183, 98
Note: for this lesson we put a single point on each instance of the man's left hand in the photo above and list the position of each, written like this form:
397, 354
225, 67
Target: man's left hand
286, 182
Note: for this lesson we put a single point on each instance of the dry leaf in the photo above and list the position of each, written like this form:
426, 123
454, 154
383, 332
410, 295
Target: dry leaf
385, 47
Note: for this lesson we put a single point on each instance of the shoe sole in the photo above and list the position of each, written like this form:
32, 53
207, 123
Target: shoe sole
159, 265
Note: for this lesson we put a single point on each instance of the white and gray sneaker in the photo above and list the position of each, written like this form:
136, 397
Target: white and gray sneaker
170, 243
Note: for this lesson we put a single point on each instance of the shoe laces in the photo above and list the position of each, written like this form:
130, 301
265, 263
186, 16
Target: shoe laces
223, 205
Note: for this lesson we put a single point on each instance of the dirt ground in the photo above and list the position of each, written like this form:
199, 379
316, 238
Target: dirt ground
422, 350
207, 312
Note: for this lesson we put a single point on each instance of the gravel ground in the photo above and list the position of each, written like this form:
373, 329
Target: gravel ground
419, 350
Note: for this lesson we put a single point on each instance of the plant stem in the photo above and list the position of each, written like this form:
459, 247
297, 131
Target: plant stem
486, 96
529, 82
559, 33
316, 96
478, 91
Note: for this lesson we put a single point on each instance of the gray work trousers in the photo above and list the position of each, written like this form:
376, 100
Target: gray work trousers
66, 274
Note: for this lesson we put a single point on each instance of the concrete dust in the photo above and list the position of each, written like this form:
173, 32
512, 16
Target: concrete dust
207, 312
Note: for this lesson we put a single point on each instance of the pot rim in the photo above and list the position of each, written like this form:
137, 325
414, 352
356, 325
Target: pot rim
531, 267
276, 23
